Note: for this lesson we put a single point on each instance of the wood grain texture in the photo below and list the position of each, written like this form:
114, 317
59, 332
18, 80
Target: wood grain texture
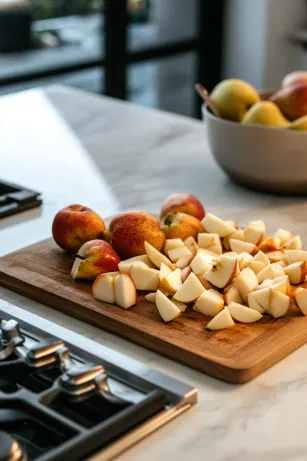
238, 354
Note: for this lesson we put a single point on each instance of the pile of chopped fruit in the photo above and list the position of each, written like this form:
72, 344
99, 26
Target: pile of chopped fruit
225, 272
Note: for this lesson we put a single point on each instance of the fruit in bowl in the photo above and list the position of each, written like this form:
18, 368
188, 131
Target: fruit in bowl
237, 101
292, 100
233, 98
260, 148
298, 76
265, 113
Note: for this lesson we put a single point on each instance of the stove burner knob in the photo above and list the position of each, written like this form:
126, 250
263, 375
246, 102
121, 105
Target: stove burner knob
80, 381
11, 333
43, 354
77, 377
63, 359
45, 348
10, 449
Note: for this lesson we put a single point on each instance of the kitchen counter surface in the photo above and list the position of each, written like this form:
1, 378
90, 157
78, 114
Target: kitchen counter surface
134, 158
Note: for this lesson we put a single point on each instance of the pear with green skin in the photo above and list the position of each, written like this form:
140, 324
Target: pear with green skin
233, 98
265, 113
300, 124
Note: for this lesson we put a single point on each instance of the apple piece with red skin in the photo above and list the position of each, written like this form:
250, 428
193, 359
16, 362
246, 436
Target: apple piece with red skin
292, 100
183, 203
222, 272
94, 258
130, 231
76, 224
297, 76
180, 225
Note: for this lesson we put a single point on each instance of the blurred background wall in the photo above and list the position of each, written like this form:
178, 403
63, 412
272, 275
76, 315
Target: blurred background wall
169, 46
260, 40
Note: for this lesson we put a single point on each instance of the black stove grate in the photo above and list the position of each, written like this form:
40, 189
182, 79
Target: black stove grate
15, 199
57, 406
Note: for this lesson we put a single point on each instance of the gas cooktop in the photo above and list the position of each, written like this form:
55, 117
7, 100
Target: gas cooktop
63, 396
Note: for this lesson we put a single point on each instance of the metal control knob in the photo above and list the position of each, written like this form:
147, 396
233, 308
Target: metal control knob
11, 333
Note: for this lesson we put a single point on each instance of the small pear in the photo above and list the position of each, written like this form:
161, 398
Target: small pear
265, 113
233, 98
300, 124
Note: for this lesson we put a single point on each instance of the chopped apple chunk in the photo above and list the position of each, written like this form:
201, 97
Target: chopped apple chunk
253, 303
170, 244
156, 257
124, 266
253, 234
209, 303
238, 235
257, 266
215, 225
166, 308
190, 290
244, 260
144, 277
222, 272
191, 244
185, 273
243, 314
258, 224
238, 246
211, 242
270, 272
201, 263
297, 272
262, 297
125, 291
184, 261
246, 282
270, 244
177, 253
180, 305
262, 257
103, 288
164, 271
294, 244
232, 294
292, 256
275, 256
150, 297
221, 321
279, 304
284, 235
300, 298
172, 282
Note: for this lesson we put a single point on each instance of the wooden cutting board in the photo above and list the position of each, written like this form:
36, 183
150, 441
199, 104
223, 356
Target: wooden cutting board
238, 354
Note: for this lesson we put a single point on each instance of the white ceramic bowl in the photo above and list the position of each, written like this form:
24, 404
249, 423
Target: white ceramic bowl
267, 158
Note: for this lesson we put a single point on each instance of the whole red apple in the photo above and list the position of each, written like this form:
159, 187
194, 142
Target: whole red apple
298, 76
76, 224
94, 258
180, 225
184, 203
130, 231
292, 100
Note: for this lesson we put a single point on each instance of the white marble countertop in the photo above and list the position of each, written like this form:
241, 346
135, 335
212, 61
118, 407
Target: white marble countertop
261, 420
